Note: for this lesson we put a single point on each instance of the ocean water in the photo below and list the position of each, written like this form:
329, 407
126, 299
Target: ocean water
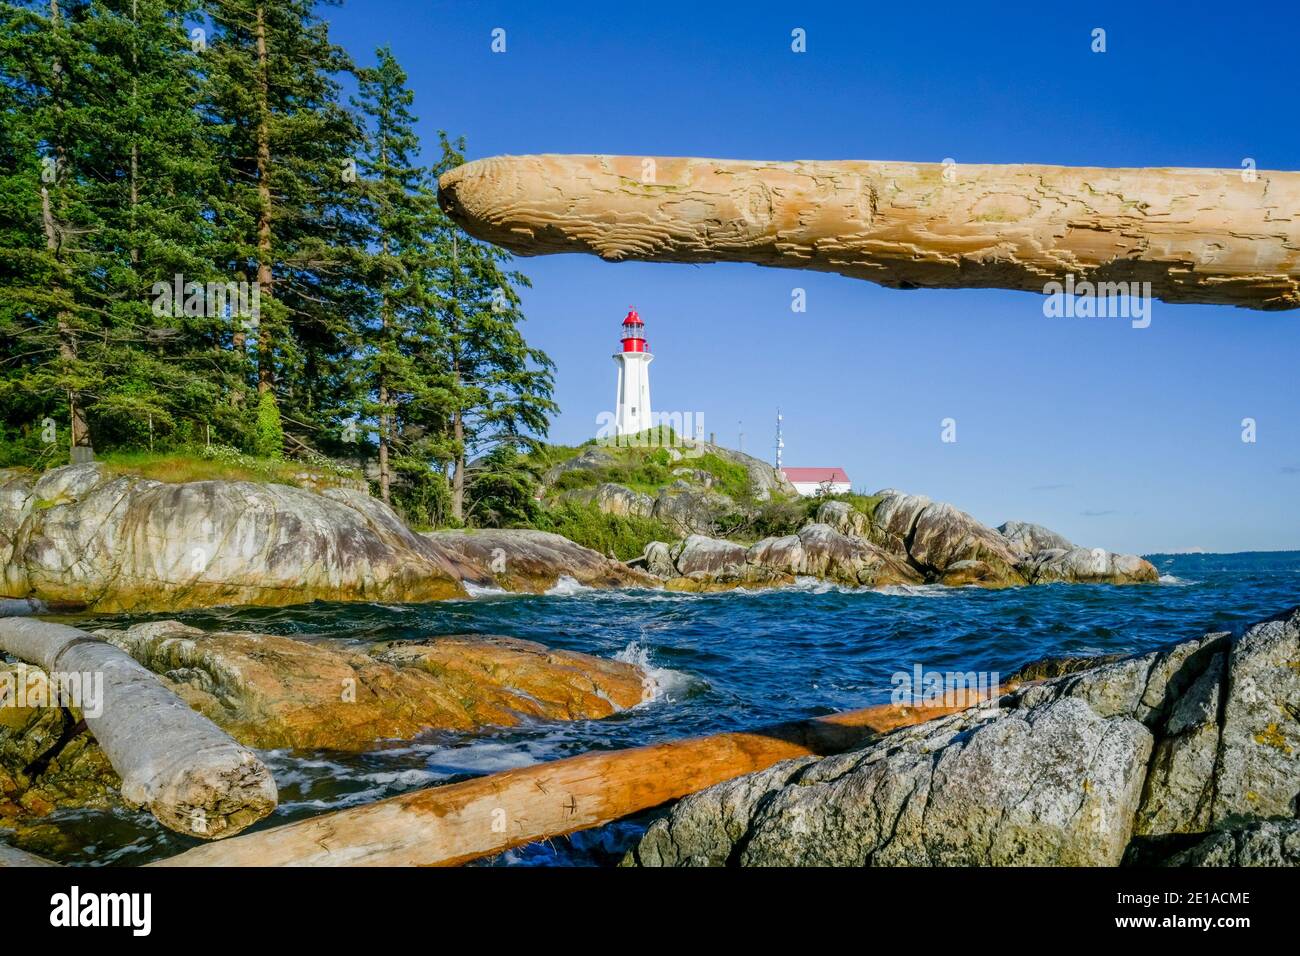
722, 662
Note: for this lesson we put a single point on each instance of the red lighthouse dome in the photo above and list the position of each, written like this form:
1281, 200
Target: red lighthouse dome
634, 333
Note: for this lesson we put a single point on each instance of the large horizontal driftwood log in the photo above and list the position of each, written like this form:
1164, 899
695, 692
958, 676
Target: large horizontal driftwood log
190, 774
1228, 237
445, 826
12, 856
21, 607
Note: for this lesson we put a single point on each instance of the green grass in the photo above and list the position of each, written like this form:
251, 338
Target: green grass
641, 469
218, 464
585, 524
864, 503
729, 478
648, 467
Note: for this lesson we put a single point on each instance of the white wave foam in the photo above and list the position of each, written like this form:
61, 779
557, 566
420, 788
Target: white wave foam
917, 590
567, 586
813, 585
1174, 580
483, 590
661, 683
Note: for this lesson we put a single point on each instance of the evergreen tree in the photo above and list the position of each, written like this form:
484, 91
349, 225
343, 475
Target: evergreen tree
50, 310
100, 196
288, 214
498, 386
154, 172
398, 202
149, 156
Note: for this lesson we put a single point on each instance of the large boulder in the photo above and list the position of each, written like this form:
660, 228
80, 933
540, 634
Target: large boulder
532, 561
47, 758
593, 458
934, 537
78, 536
1027, 539
894, 518
1087, 566
764, 480
690, 510
701, 563
699, 553
657, 560
614, 499
951, 547
825, 553
1270, 843
619, 500
272, 692
844, 518
1080, 769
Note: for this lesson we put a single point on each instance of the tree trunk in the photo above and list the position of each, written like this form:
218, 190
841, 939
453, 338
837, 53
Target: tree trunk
384, 325
265, 359
458, 475
1228, 237
190, 774
135, 145
384, 478
444, 826
80, 447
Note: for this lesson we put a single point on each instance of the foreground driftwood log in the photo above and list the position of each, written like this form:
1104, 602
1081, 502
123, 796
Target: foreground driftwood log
1227, 236
21, 607
192, 776
12, 856
444, 826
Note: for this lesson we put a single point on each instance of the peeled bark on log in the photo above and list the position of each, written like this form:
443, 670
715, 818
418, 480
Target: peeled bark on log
192, 776
445, 826
1216, 236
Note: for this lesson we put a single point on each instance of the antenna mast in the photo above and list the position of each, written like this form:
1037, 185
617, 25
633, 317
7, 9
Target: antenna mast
780, 442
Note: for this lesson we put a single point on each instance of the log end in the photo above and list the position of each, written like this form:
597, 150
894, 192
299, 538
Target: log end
214, 798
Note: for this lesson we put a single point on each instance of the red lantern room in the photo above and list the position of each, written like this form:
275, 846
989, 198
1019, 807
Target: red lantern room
634, 333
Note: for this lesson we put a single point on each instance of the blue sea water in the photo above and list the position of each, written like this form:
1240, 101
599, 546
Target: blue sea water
723, 662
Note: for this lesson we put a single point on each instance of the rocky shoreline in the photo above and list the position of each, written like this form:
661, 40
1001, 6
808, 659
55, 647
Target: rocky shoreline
906, 539
271, 692
78, 537
1182, 756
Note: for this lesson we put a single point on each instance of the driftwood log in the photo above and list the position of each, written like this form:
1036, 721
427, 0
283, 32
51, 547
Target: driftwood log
21, 607
12, 856
445, 826
190, 774
1219, 236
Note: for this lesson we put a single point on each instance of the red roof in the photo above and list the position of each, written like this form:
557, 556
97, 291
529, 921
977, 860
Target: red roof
816, 475
633, 318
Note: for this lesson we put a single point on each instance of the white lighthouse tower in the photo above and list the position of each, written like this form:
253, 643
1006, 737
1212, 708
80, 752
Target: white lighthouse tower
633, 397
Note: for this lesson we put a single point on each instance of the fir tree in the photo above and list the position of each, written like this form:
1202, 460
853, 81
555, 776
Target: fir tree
398, 202
287, 217
498, 386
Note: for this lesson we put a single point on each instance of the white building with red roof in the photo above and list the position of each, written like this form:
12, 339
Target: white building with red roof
813, 481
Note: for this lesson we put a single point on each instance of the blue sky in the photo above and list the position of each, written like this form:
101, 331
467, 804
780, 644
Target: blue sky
1117, 437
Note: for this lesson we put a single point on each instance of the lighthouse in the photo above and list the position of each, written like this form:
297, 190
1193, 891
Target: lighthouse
632, 399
